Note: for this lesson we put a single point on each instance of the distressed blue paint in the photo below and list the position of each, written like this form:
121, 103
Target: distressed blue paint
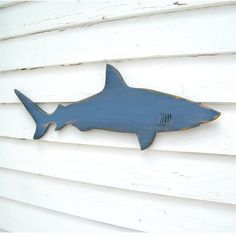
121, 108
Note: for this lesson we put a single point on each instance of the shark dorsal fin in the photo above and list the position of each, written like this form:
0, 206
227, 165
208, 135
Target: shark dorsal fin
113, 78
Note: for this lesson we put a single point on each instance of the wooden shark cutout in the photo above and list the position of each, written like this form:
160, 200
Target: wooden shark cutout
121, 108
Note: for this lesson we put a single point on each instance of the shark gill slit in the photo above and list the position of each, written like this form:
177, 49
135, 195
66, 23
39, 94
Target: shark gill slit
165, 119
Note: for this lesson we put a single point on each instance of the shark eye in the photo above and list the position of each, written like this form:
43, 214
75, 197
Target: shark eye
165, 119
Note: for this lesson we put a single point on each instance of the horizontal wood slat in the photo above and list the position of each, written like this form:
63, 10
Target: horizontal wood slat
203, 79
45, 16
215, 137
204, 177
19, 217
129, 209
175, 34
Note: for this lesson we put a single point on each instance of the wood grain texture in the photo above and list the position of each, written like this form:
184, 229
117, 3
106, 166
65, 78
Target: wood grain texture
202, 79
215, 137
128, 209
124, 39
185, 175
32, 18
18, 217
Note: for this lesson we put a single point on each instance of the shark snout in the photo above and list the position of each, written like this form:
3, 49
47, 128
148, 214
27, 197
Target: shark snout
215, 114
209, 114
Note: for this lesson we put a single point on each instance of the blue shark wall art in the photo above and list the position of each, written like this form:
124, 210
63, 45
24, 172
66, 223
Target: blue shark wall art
121, 108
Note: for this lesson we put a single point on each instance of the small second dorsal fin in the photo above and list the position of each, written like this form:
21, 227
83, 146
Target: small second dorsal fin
113, 78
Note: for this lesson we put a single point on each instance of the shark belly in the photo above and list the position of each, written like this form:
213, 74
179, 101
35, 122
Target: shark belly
114, 115
113, 119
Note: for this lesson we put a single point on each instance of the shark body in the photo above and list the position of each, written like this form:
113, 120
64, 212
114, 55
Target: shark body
121, 108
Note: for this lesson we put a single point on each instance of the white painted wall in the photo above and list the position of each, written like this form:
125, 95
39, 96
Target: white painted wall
55, 52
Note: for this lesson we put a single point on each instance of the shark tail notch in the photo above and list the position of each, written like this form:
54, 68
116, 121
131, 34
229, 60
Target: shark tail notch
39, 116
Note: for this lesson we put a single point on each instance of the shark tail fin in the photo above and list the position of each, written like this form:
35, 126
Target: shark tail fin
39, 116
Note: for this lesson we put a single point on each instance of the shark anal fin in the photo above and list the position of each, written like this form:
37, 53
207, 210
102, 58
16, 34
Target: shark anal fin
146, 138
60, 125
113, 78
84, 129
81, 127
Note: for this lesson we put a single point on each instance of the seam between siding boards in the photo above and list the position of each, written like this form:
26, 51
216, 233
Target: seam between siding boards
66, 214
10, 4
95, 22
123, 60
106, 187
109, 147
104, 146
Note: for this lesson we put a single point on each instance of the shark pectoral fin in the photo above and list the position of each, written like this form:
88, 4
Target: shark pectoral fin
146, 138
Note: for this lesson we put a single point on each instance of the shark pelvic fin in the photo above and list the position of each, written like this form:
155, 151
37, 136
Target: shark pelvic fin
114, 78
39, 116
146, 138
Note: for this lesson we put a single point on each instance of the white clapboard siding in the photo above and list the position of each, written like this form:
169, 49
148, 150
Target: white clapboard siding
55, 52
215, 137
174, 34
145, 212
167, 173
203, 79
45, 16
19, 217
